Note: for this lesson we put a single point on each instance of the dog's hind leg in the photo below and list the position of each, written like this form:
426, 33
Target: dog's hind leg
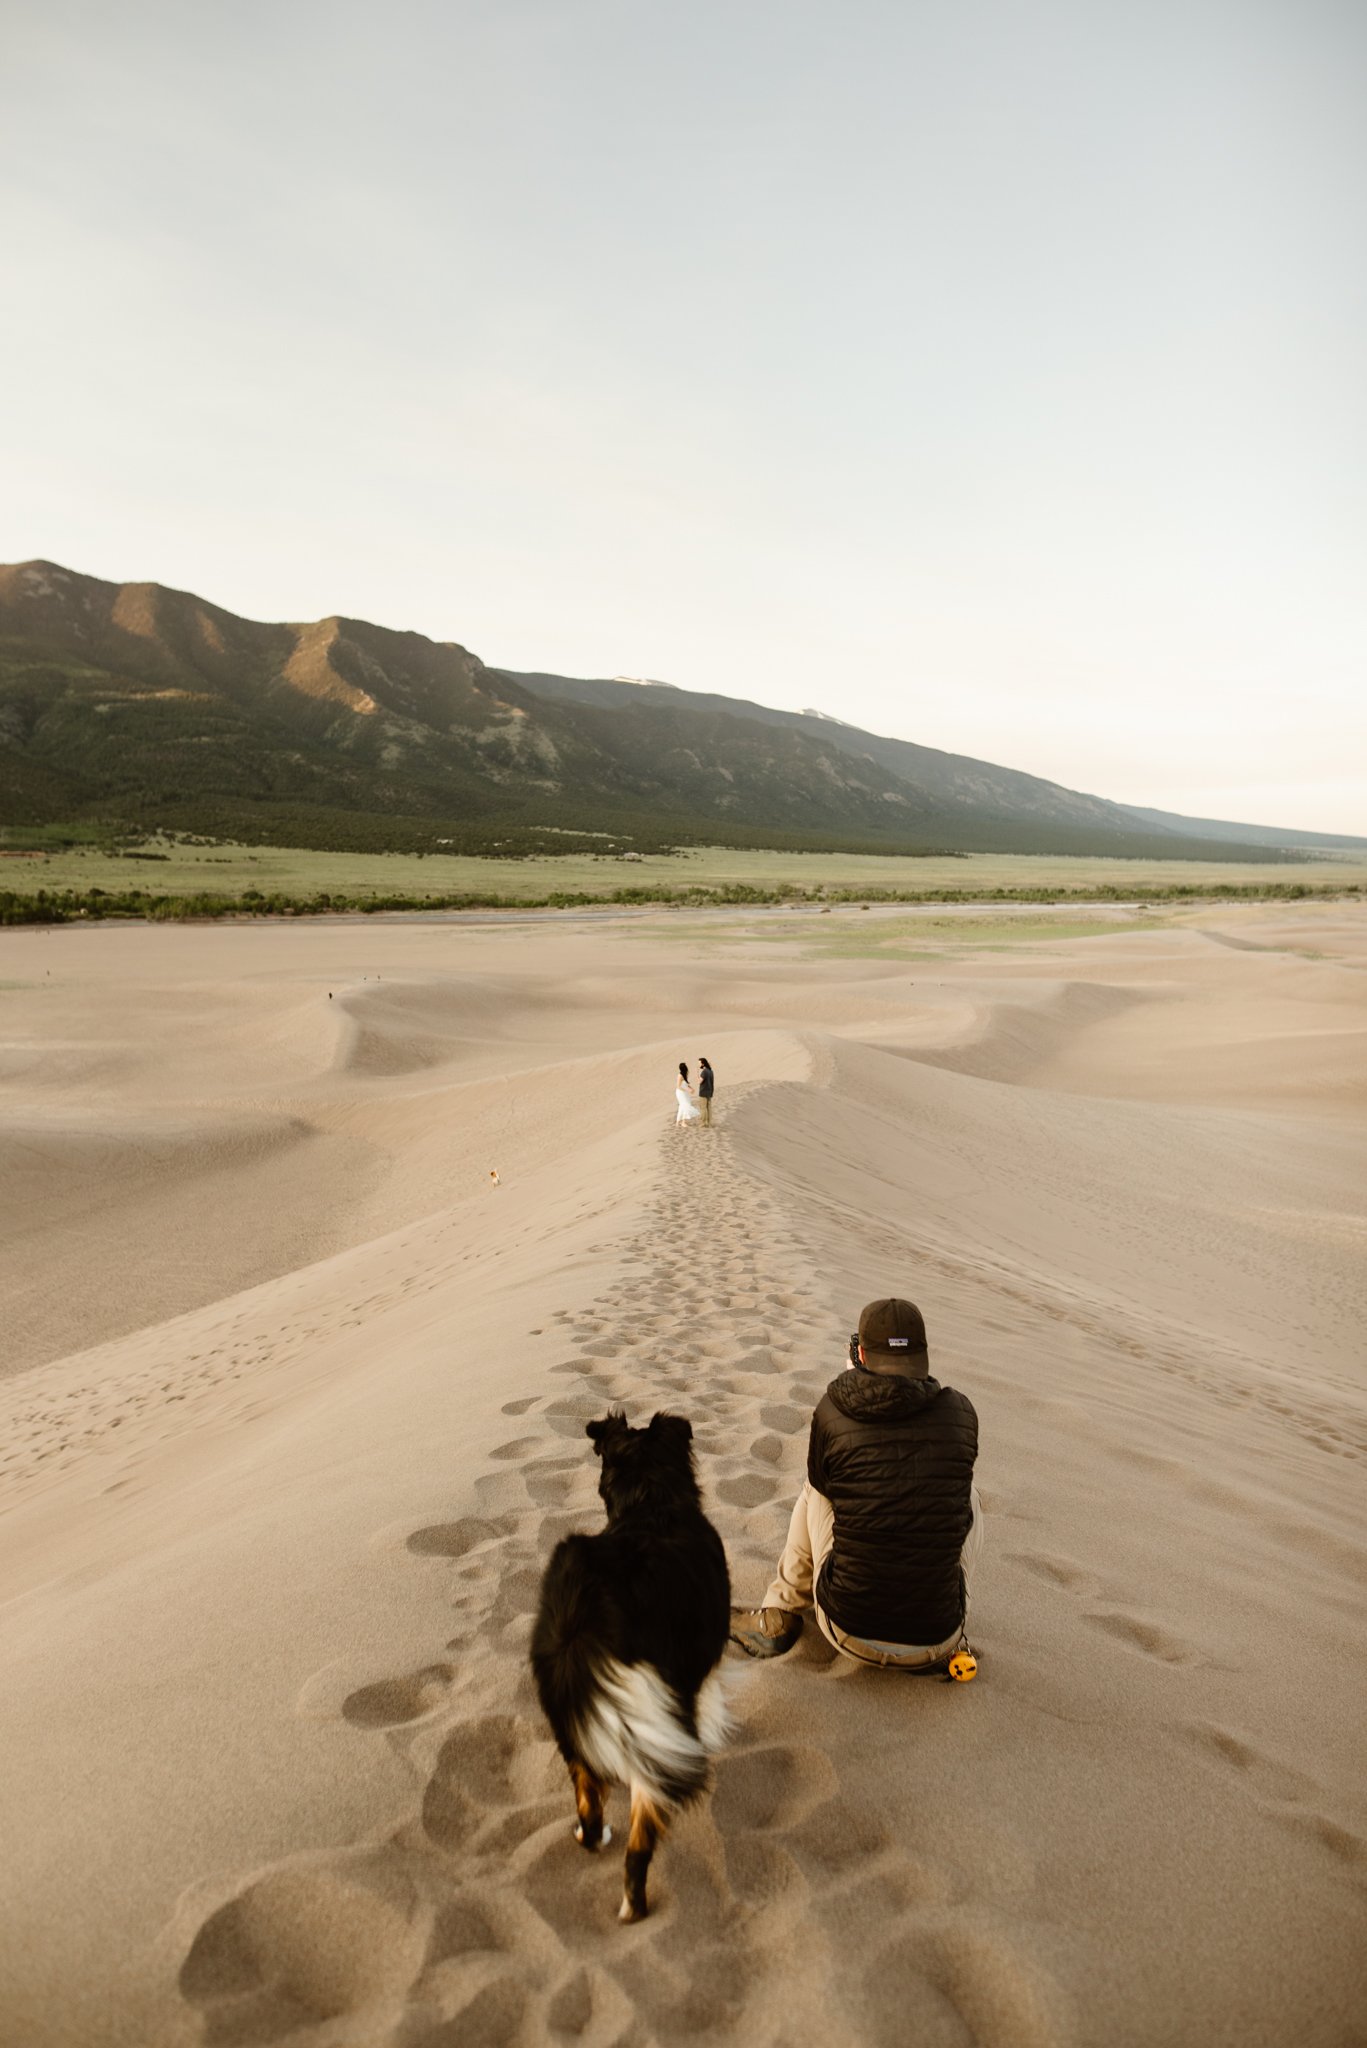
649, 1819
590, 1797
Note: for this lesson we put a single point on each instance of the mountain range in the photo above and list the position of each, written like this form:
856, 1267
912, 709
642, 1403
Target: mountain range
138, 705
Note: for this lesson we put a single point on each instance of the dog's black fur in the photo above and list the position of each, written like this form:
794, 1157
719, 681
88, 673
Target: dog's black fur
632, 1624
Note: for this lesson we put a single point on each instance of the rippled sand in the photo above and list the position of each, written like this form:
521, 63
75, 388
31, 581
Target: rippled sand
295, 1410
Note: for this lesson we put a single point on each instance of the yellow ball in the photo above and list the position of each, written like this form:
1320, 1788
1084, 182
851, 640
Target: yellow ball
963, 1666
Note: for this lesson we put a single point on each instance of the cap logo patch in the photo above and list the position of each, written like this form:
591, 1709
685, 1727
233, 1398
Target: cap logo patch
898, 1343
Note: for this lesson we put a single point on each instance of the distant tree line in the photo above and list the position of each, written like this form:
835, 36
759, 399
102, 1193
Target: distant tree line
65, 906
560, 828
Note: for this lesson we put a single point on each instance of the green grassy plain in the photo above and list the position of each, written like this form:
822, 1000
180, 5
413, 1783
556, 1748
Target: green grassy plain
920, 937
921, 934
176, 869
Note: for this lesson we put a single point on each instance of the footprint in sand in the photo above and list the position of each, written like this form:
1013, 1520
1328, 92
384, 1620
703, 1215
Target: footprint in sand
504, 1835
1260, 1773
320, 1940
517, 1594
1287, 1794
561, 1460
746, 1489
568, 1415
893, 1885
1145, 1636
690, 1918
490, 1764
971, 1983
504, 1494
394, 1702
464, 1926
1345, 1847
786, 1420
520, 1447
759, 1359
775, 1786
546, 1486
588, 2008
836, 1837
456, 1539
1057, 1571
493, 2016
554, 1527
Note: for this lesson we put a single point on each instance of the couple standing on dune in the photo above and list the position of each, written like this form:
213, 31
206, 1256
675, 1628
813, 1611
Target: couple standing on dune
688, 1110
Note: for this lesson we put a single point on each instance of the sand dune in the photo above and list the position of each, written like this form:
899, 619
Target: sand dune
303, 1413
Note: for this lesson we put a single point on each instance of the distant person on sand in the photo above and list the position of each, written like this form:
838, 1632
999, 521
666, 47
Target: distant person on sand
888, 1526
688, 1111
707, 1082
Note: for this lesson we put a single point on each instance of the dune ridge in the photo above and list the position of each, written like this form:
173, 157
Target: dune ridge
269, 1562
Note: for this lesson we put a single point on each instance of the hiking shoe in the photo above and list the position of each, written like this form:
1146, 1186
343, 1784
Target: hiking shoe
764, 1631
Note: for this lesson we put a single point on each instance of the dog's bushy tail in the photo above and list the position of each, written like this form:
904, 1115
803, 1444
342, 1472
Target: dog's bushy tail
632, 1728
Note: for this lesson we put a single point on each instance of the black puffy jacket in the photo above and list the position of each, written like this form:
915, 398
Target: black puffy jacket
894, 1456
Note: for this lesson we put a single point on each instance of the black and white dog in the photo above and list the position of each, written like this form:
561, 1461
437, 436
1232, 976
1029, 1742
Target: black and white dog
631, 1629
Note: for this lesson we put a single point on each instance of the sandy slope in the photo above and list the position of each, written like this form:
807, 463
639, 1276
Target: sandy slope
270, 1538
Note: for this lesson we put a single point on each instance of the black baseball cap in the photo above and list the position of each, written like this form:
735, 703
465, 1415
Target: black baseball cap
895, 1330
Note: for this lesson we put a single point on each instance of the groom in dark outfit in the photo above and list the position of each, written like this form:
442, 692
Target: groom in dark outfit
707, 1081
887, 1529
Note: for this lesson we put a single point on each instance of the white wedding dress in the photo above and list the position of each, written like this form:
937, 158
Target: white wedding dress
689, 1113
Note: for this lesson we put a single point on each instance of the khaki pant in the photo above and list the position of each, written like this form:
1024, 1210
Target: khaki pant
811, 1535
707, 1109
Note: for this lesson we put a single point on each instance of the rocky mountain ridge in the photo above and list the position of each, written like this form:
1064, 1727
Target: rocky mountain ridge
135, 702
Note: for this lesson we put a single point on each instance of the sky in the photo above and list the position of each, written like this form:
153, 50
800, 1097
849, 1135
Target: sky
989, 375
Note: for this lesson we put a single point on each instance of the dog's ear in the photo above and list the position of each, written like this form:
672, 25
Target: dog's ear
612, 1424
671, 1428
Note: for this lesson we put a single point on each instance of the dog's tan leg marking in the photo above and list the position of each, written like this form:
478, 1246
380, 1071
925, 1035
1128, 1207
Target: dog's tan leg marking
590, 1797
648, 1823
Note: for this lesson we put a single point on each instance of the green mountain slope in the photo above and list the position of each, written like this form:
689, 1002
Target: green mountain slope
143, 705
980, 805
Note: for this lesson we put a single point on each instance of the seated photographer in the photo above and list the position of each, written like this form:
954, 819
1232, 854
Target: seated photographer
888, 1526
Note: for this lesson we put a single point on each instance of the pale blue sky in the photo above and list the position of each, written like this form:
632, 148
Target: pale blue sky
988, 375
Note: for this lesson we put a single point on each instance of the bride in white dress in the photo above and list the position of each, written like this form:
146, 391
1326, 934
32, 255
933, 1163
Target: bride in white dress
688, 1113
